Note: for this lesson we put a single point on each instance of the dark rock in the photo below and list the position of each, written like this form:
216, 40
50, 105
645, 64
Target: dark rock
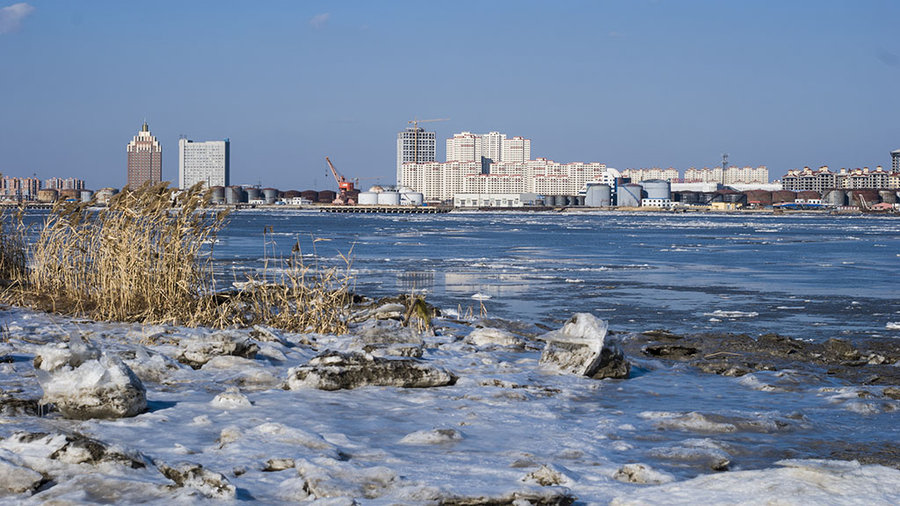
556, 496
612, 364
892, 392
840, 350
675, 351
11, 406
333, 370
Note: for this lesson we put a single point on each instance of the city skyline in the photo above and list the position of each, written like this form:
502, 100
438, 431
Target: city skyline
632, 85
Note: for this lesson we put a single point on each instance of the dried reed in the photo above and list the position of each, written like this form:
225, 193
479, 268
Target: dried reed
147, 258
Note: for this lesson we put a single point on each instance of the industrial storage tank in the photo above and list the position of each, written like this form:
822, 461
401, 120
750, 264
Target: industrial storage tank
105, 194
759, 197
235, 195
367, 198
629, 195
598, 195
389, 198
218, 194
579, 200
270, 194
292, 194
835, 198
69, 194
47, 195
253, 194
376, 189
412, 198
888, 196
657, 189
326, 196
86, 195
310, 195
782, 196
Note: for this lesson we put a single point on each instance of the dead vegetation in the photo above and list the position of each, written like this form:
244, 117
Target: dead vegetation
147, 258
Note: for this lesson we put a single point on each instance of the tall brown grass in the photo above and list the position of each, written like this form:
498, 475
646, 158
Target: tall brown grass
147, 258
12, 246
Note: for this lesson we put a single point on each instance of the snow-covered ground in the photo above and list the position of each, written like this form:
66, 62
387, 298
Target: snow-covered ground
221, 426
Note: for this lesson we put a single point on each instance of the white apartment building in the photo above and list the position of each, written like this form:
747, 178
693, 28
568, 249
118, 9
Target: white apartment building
414, 145
464, 147
442, 181
203, 162
727, 176
637, 175
492, 146
516, 149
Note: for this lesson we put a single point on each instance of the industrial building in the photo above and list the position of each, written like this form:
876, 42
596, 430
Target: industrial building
203, 162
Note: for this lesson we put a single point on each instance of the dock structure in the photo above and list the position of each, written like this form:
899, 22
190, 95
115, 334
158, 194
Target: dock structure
386, 209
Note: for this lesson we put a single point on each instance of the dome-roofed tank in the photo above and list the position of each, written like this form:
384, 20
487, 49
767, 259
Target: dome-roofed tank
412, 198
218, 194
808, 195
327, 196
888, 196
86, 195
69, 194
376, 189
759, 197
783, 196
310, 195
234, 195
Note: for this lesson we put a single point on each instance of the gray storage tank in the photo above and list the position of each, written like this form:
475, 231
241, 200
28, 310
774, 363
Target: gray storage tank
87, 195
598, 195
834, 198
888, 196
629, 195
218, 194
270, 194
234, 195
657, 189
367, 198
254, 194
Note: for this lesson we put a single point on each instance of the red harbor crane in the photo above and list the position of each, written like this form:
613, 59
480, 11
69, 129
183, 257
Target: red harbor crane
346, 187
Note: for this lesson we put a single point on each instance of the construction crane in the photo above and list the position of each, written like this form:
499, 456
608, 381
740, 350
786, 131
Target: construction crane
345, 186
415, 124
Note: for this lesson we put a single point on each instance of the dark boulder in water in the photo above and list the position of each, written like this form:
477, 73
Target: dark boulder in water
333, 370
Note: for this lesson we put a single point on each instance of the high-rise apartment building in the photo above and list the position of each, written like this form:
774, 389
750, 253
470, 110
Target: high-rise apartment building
203, 162
492, 146
895, 160
464, 147
517, 149
144, 158
414, 145
70, 183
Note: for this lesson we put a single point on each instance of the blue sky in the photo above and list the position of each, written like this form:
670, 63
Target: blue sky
631, 84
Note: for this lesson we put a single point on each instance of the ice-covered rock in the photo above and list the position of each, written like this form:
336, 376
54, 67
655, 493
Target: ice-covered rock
36, 449
200, 350
536, 496
334, 370
386, 332
494, 337
84, 384
232, 398
329, 478
580, 347
432, 437
209, 483
642, 474
550, 476
15, 477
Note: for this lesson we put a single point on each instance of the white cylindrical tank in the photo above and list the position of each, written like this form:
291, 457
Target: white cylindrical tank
367, 198
412, 198
389, 199
657, 189
598, 195
629, 195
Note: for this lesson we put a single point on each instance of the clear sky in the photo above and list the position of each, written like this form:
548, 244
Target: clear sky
632, 84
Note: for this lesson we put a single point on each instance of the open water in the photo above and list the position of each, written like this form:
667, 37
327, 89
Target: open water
811, 277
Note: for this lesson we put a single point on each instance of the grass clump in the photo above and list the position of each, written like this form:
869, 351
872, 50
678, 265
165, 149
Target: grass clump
12, 246
147, 257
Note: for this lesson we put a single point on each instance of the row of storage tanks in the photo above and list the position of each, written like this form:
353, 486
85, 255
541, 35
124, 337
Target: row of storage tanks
237, 195
50, 195
627, 194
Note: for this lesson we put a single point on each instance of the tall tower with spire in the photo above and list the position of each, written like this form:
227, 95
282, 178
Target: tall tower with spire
144, 158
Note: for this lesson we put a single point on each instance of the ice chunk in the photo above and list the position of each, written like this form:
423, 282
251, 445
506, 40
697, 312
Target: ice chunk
97, 388
493, 337
580, 348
